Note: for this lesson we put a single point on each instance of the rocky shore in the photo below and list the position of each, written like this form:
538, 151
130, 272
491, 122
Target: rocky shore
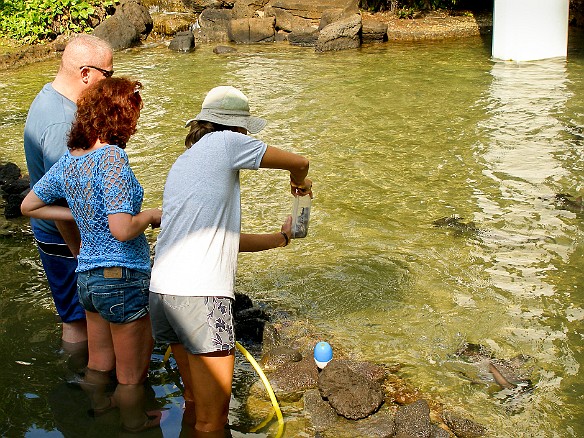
354, 398
165, 24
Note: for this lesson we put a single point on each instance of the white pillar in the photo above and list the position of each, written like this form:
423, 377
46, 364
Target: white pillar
527, 30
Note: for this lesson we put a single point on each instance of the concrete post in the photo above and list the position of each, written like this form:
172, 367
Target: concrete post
527, 30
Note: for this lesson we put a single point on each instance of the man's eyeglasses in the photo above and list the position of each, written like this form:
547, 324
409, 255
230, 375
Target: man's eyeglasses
106, 73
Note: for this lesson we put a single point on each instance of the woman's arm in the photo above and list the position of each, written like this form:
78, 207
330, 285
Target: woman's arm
297, 165
32, 206
261, 242
124, 226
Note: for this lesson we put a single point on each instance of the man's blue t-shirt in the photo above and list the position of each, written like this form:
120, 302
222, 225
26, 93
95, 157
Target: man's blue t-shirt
47, 126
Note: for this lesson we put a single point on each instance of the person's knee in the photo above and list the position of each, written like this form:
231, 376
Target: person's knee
211, 426
212, 421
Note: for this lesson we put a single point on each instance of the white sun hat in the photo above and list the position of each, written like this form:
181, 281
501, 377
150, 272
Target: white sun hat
228, 106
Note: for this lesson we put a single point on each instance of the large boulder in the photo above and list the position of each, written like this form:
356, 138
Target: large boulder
342, 34
251, 30
183, 42
200, 5
213, 25
13, 187
247, 8
130, 24
351, 394
9, 172
289, 381
169, 23
373, 31
287, 22
303, 37
311, 9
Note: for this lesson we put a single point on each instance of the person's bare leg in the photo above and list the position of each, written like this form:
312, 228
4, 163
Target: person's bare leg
75, 331
101, 348
133, 345
131, 399
74, 345
95, 384
76, 356
213, 375
181, 356
101, 362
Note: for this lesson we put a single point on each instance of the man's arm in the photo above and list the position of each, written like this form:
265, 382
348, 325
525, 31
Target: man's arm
70, 234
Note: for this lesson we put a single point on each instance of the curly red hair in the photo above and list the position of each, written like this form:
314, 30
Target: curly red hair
108, 111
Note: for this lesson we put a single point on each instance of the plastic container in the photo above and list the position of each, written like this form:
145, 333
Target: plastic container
300, 216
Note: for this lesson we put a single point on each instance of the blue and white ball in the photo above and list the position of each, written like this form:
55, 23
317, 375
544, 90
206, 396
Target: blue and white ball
323, 353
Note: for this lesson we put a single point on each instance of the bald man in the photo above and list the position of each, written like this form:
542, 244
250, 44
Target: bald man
85, 61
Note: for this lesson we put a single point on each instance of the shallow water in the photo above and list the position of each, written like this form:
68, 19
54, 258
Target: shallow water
399, 135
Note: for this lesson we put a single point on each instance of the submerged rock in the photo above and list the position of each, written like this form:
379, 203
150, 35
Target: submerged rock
456, 224
509, 379
413, 420
568, 202
350, 394
463, 427
277, 357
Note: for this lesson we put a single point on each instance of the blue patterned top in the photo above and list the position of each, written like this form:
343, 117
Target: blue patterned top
95, 185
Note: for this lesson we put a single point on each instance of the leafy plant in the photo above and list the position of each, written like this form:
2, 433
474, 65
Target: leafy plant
33, 20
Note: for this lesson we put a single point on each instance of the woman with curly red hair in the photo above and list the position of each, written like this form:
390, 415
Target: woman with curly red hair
105, 200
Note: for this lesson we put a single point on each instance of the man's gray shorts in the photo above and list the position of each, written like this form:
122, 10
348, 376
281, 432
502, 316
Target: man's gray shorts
200, 324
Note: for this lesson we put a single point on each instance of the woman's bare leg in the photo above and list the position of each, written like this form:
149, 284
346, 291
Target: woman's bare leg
133, 348
133, 345
207, 379
181, 356
100, 345
213, 378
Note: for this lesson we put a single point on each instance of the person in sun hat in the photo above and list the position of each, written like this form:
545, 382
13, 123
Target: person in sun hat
192, 283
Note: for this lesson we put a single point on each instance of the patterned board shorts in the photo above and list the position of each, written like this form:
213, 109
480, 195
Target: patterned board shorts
200, 324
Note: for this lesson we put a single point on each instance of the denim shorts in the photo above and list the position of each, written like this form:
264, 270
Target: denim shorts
119, 295
200, 324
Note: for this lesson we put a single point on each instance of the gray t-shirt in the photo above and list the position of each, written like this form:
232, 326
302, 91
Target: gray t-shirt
47, 126
196, 252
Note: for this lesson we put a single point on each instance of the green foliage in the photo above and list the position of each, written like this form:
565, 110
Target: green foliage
406, 8
405, 12
32, 20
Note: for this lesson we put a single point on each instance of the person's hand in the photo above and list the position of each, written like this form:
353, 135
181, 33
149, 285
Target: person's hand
287, 226
301, 189
156, 217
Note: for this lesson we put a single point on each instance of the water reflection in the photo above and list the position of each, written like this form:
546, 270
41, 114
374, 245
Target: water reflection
531, 240
524, 138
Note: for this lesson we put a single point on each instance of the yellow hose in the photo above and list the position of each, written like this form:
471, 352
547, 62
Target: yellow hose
254, 364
